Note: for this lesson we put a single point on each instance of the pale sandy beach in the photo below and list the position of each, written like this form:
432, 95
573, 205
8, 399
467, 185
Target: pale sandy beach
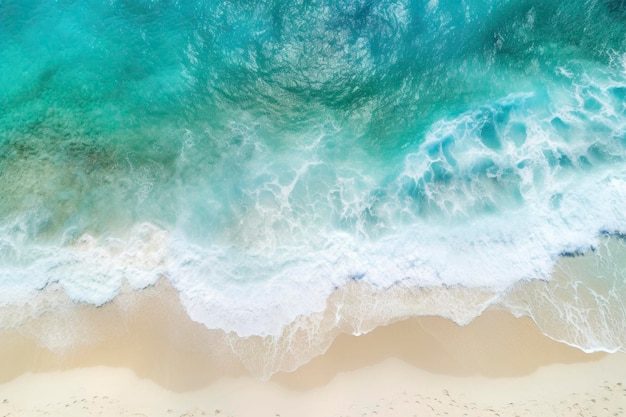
497, 365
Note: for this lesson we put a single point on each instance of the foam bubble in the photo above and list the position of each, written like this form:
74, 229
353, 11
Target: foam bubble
582, 304
89, 269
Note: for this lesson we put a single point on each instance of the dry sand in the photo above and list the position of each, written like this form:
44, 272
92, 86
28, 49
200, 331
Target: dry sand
497, 365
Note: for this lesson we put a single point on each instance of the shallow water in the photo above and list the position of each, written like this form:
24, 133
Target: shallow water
261, 156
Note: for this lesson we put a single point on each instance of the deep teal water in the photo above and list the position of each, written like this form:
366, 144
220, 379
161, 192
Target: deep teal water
261, 154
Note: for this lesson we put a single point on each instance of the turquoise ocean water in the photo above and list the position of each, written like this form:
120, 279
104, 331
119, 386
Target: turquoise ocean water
261, 155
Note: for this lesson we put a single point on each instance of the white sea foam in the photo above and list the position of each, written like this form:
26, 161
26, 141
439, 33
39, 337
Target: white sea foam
489, 199
541, 193
90, 270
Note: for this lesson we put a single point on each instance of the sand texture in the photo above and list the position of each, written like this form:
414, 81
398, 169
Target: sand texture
497, 365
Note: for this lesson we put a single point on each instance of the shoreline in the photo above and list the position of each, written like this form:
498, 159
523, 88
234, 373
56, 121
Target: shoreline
154, 359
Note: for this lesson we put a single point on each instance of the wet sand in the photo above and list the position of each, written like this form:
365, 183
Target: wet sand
152, 360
